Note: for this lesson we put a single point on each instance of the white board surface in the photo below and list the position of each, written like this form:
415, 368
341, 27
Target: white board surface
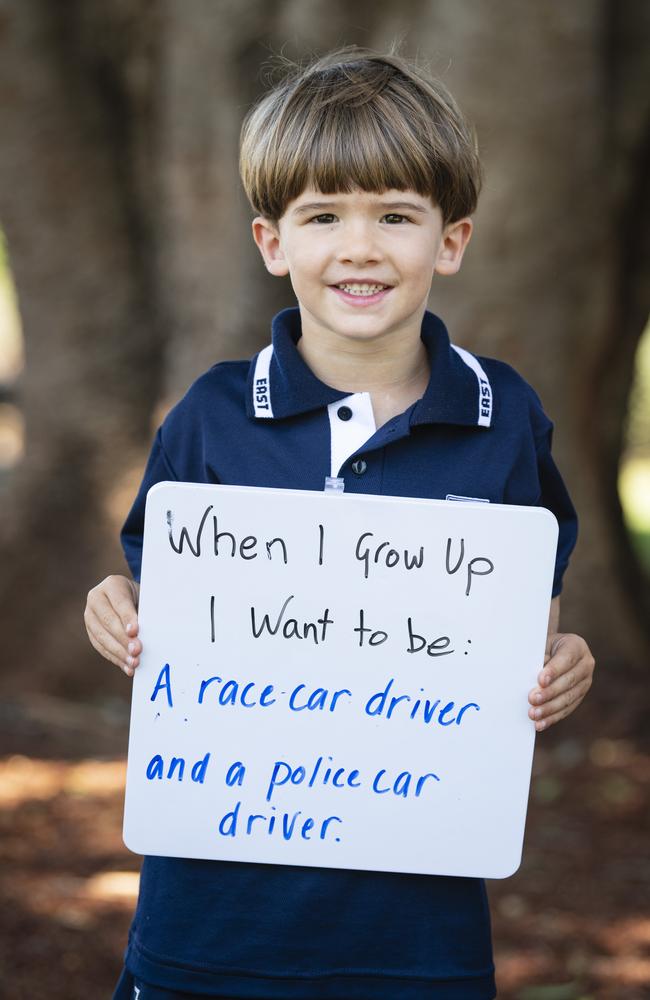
336, 680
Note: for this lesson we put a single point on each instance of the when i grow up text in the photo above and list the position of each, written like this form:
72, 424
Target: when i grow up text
284, 621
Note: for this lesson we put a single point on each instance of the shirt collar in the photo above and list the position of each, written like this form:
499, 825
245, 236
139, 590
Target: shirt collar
280, 384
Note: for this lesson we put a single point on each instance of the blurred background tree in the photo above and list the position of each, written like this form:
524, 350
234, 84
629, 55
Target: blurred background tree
129, 244
127, 267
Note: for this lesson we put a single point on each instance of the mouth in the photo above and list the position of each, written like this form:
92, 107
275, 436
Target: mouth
361, 292
361, 287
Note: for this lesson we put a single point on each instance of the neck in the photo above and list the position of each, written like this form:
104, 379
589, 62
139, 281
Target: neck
393, 369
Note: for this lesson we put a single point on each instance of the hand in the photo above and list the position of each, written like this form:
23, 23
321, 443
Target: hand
564, 681
111, 620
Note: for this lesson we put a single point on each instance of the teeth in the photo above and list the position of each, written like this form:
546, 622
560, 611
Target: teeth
364, 289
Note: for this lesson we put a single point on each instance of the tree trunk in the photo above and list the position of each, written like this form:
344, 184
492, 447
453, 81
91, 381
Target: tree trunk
129, 238
551, 283
76, 225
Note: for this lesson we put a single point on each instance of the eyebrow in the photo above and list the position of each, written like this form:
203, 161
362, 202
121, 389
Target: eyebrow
391, 206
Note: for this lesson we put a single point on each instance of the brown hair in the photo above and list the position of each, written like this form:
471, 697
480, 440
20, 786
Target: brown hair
358, 119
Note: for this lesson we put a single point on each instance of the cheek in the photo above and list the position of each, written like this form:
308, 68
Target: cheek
305, 264
417, 259
428, 264
420, 269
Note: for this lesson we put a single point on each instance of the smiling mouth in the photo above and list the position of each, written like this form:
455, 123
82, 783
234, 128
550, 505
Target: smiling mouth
361, 289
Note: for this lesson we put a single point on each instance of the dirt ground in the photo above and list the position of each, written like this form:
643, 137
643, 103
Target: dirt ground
572, 924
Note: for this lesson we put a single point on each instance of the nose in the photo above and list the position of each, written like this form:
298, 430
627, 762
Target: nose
359, 243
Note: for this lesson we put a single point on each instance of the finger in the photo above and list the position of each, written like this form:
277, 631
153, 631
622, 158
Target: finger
543, 724
102, 608
113, 646
566, 652
558, 708
582, 671
557, 687
123, 595
108, 651
120, 594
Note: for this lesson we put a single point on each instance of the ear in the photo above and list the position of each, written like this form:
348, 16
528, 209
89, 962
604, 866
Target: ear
455, 237
267, 237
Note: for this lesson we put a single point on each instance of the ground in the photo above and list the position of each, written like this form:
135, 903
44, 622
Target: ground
572, 924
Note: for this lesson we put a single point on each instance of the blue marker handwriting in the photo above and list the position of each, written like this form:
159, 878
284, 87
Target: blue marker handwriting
387, 702
322, 774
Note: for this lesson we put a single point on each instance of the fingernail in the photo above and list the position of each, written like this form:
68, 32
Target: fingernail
539, 726
131, 647
539, 698
129, 661
538, 713
128, 671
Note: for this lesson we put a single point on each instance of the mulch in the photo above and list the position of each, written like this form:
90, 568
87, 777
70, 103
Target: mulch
572, 924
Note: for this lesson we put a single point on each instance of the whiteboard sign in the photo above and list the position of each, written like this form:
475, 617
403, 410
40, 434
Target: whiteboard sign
336, 681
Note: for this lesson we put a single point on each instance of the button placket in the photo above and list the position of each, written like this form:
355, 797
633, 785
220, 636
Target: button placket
352, 424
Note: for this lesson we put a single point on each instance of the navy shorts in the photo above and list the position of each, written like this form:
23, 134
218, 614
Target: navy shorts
129, 988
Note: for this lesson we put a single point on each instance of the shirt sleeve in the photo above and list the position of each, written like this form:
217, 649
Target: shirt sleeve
158, 470
553, 492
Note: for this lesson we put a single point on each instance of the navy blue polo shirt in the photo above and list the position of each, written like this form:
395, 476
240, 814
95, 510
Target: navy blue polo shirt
249, 930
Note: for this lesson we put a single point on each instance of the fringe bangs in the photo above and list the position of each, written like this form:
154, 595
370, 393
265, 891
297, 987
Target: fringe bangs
372, 123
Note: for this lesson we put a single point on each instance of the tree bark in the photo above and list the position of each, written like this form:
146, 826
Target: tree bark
77, 234
552, 283
129, 238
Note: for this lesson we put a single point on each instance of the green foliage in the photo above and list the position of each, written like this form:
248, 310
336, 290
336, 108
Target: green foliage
638, 422
11, 340
4, 259
641, 545
634, 479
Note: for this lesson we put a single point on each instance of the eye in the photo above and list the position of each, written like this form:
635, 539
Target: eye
394, 219
325, 219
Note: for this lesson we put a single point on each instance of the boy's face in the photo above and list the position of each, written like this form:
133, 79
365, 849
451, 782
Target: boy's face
361, 264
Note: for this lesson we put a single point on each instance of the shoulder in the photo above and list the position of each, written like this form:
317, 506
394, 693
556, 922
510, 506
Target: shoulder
225, 378
215, 401
515, 398
224, 381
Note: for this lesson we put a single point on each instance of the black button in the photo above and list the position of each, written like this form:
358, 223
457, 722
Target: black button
344, 413
359, 467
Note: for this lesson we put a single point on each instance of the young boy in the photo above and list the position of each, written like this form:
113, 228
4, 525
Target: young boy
363, 176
